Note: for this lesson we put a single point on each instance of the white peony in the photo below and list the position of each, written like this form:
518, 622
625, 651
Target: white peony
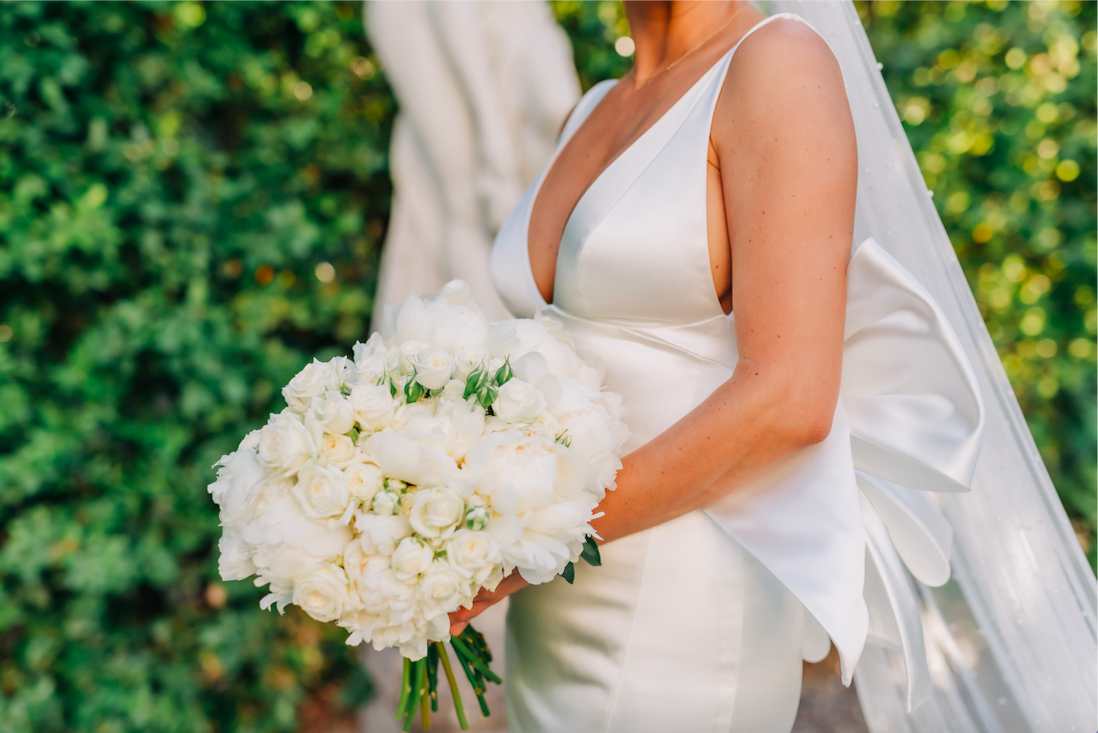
380, 534
310, 382
408, 460
434, 369
235, 561
239, 475
516, 338
285, 445
448, 320
370, 363
436, 512
518, 402
324, 593
411, 557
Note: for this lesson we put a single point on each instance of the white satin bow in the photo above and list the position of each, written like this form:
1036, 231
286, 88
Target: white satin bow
909, 421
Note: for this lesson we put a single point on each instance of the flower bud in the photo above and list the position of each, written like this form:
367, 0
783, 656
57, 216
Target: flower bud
386, 503
505, 373
476, 518
473, 384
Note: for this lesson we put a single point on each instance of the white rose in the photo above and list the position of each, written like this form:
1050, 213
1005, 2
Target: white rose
441, 589
373, 405
468, 359
453, 391
410, 352
285, 445
436, 512
324, 593
323, 492
434, 369
338, 449
411, 557
333, 412
341, 373
473, 554
518, 401
363, 479
310, 382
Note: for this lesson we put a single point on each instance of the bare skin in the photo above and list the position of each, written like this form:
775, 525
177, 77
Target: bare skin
781, 190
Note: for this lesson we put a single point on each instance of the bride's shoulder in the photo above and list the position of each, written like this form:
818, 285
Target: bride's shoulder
783, 74
786, 55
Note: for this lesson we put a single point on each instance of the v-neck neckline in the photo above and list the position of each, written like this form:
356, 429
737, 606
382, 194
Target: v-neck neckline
536, 191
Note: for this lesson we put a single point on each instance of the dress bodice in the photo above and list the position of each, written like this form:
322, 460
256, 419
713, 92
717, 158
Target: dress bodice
635, 246
838, 522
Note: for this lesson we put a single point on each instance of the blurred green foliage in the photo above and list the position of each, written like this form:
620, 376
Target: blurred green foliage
191, 203
173, 178
998, 99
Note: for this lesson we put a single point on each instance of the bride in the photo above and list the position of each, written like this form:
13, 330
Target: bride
693, 232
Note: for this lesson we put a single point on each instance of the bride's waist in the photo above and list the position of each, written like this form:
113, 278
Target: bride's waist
662, 371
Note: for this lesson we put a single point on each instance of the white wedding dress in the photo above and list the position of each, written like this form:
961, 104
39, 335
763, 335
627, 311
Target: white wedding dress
700, 624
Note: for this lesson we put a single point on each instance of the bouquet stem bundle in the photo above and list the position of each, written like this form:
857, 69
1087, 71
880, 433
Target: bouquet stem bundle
419, 688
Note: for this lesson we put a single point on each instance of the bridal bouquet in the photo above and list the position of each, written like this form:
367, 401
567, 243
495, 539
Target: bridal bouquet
397, 484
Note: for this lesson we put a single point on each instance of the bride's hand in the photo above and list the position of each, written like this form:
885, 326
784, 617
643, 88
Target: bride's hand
460, 618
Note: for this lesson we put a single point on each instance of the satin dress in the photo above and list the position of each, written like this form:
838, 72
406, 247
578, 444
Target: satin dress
700, 624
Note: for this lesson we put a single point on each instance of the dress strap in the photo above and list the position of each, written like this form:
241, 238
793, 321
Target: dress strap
583, 108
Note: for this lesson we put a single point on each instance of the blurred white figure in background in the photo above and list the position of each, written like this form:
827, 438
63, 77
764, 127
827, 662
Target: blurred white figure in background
483, 89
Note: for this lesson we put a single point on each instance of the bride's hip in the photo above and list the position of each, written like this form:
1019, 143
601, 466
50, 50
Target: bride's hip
668, 623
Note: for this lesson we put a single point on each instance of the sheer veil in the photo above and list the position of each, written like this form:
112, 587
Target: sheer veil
1011, 638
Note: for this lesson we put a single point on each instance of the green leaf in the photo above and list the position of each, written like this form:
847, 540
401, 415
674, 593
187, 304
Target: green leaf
569, 573
504, 373
590, 552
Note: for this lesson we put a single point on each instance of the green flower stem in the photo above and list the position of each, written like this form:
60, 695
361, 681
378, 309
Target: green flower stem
459, 707
425, 699
473, 677
405, 688
417, 687
475, 660
432, 676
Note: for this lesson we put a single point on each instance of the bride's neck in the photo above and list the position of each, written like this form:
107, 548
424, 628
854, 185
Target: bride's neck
664, 31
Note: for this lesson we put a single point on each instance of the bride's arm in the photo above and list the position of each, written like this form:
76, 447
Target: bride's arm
785, 139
